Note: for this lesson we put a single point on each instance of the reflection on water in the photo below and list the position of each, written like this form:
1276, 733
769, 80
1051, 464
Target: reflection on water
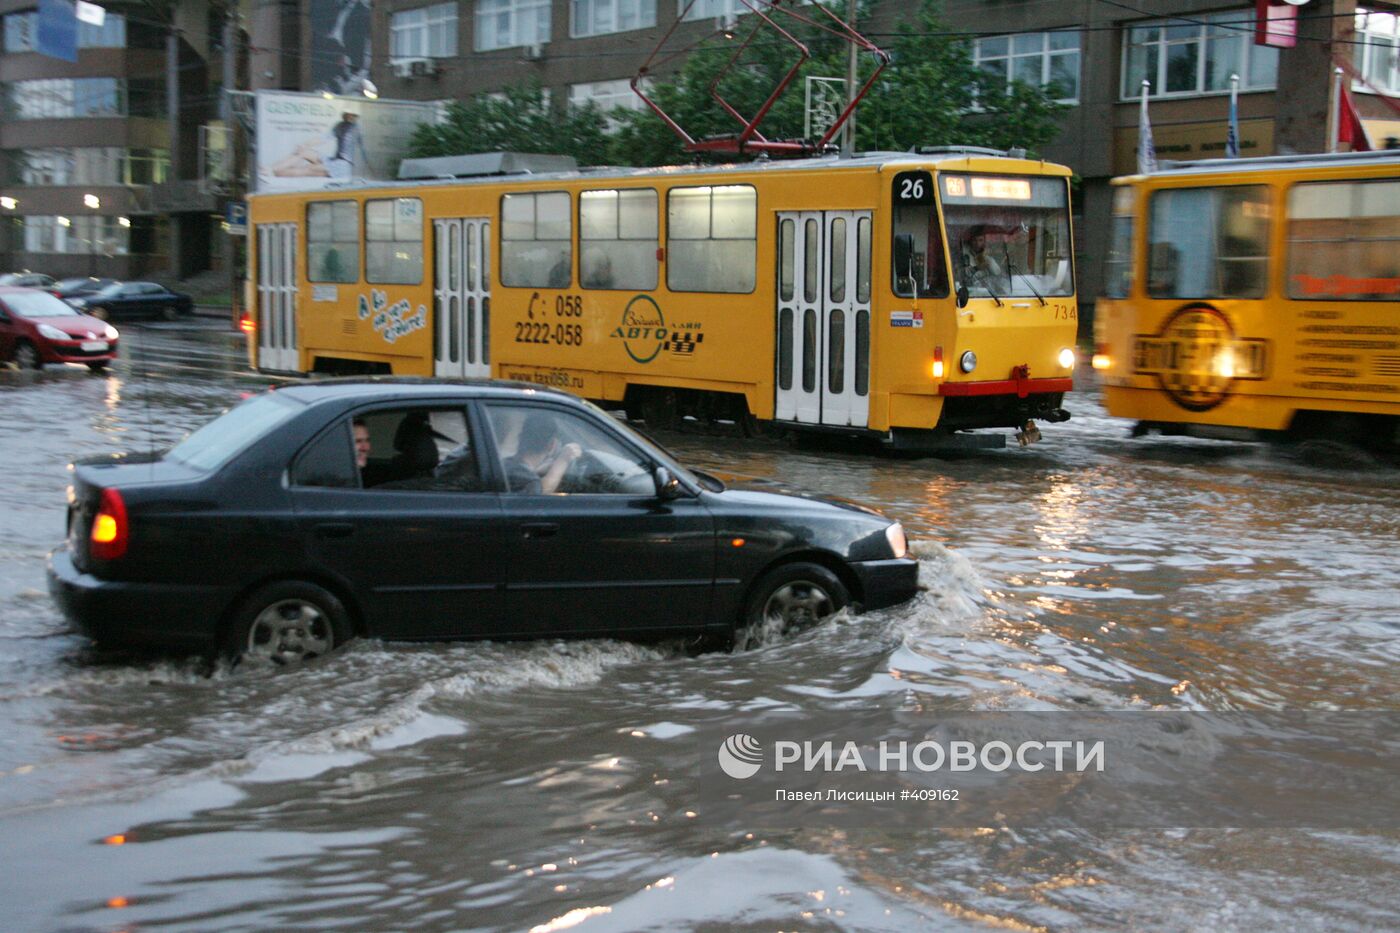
537, 785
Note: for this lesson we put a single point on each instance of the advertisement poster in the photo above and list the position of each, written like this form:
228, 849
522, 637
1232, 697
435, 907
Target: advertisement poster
307, 141
340, 45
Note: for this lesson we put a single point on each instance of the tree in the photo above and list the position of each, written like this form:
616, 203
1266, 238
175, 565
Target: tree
520, 120
931, 94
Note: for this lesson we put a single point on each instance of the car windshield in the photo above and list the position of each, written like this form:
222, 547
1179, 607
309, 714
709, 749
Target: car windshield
37, 304
217, 442
110, 291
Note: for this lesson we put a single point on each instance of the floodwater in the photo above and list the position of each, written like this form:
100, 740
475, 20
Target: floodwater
535, 785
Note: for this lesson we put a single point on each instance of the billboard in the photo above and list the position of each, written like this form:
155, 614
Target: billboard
310, 141
340, 45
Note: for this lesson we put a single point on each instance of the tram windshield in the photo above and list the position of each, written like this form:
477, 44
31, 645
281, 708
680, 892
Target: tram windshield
1009, 236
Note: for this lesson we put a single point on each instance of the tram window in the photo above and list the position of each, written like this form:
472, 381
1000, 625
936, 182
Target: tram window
1009, 235
862, 352
923, 269
810, 258
1119, 264
837, 262
711, 239
785, 349
863, 260
1343, 239
332, 241
836, 352
536, 230
1208, 242
786, 259
394, 241
617, 233
809, 350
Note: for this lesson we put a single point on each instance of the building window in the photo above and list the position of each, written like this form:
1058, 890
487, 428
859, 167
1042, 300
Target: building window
101, 236
536, 231
394, 241
87, 166
710, 9
618, 239
21, 32
427, 32
333, 241
1376, 55
601, 17
1185, 59
607, 96
1343, 240
711, 239
501, 24
60, 98
1040, 59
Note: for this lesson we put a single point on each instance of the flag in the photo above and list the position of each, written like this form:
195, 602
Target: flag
1232, 135
1147, 152
1350, 129
57, 35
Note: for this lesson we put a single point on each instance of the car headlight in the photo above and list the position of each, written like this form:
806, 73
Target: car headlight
52, 333
899, 542
111, 333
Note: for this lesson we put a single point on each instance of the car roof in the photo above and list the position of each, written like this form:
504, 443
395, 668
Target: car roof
408, 388
13, 289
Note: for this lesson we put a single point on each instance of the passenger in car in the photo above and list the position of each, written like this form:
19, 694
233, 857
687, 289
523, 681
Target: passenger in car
362, 444
540, 461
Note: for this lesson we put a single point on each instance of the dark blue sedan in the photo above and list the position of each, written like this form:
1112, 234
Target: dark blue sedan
134, 299
414, 509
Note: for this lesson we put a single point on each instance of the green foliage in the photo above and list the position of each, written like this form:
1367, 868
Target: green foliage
520, 121
926, 97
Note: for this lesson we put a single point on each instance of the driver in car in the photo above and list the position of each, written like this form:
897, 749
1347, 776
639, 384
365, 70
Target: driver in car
540, 461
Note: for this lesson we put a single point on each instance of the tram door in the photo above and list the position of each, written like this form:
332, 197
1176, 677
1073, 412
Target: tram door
462, 297
823, 319
277, 297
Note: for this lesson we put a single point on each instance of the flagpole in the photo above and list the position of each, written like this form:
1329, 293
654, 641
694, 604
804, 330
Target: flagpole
1334, 107
1147, 150
1232, 133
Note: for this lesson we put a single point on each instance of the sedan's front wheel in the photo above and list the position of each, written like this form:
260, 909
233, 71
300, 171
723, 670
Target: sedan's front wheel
792, 595
287, 623
27, 356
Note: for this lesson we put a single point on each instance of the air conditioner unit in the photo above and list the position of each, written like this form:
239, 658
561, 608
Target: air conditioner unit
423, 67
534, 52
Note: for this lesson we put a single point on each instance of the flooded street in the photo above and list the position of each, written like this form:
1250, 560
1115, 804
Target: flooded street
537, 785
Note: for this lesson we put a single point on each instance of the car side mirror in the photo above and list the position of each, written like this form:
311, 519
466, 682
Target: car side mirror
667, 486
962, 295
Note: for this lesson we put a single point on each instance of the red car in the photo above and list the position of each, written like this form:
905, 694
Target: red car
37, 328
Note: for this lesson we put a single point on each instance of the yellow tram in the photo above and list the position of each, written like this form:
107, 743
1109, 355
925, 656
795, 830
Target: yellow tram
1256, 297
906, 296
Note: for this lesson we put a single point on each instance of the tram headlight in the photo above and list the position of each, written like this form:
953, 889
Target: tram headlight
968, 361
1067, 358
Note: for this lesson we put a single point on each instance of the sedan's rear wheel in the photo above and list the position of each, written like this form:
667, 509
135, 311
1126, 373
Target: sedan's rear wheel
287, 623
792, 595
27, 356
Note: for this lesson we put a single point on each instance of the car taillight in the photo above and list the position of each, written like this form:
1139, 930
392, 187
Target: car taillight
247, 324
107, 541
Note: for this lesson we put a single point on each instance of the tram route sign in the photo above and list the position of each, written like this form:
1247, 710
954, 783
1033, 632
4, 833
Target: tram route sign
1197, 358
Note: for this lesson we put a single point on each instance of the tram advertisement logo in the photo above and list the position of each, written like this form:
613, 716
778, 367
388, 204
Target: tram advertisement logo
644, 332
1197, 358
391, 321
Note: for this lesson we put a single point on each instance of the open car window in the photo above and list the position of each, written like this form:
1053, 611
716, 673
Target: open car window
418, 448
550, 452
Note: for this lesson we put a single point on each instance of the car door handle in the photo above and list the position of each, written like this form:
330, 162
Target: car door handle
539, 529
334, 530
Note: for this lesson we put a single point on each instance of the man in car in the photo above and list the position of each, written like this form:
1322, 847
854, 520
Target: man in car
539, 462
362, 444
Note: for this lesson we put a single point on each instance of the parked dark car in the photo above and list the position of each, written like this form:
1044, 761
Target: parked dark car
26, 280
80, 287
414, 509
134, 299
37, 328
